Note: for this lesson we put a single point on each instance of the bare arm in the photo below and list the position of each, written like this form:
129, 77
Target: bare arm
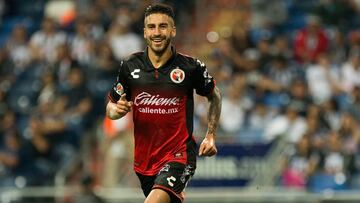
214, 111
207, 147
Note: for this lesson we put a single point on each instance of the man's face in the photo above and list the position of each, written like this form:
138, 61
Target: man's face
159, 30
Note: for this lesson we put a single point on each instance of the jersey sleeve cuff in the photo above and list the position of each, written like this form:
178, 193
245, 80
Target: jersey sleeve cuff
213, 87
111, 98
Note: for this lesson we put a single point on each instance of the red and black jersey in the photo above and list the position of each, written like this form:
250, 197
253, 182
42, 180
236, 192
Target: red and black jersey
163, 107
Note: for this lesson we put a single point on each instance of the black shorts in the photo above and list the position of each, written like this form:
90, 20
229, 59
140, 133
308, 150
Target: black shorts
172, 178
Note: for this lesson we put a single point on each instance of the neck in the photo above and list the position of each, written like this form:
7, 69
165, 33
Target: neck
159, 59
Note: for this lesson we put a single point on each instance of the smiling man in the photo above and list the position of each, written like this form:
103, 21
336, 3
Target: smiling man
157, 85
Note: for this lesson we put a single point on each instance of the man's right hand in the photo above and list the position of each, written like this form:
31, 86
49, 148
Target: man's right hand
120, 108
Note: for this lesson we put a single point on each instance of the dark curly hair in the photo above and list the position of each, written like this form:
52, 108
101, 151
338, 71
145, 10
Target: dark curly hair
160, 8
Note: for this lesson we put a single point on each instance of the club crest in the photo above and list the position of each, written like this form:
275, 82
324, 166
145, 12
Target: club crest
119, 89
177, 75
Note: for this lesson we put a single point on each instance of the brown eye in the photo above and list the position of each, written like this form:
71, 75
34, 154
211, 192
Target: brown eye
151, 26
163, 26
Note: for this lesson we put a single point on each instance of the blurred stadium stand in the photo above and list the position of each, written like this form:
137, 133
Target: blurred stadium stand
289, 72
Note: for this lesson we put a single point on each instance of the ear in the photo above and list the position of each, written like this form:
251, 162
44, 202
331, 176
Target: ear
173, 33
144, 34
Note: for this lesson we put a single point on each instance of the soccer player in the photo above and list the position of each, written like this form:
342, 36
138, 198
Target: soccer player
158, 85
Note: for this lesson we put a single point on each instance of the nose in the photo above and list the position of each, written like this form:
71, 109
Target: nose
157, 31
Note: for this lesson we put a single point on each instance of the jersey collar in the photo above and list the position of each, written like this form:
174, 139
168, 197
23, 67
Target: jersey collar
150, 67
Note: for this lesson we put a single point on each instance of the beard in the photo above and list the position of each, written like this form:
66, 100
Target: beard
159, 50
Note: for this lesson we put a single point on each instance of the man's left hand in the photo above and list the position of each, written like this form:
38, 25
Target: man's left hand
207, 147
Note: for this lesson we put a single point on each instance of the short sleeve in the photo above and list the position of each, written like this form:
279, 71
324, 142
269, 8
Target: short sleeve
203, 82
121, 85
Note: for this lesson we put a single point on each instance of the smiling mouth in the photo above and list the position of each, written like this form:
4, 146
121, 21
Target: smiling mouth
157, 40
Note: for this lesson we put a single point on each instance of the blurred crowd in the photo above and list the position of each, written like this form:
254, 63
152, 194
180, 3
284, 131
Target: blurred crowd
286, 69
291, 70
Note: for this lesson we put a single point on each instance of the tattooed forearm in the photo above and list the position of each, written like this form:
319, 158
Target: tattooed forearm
214, 111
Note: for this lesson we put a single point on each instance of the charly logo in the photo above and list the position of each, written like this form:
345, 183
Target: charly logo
171, 181
207, 77
177, 75
145, 98
134, 74
119, 89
